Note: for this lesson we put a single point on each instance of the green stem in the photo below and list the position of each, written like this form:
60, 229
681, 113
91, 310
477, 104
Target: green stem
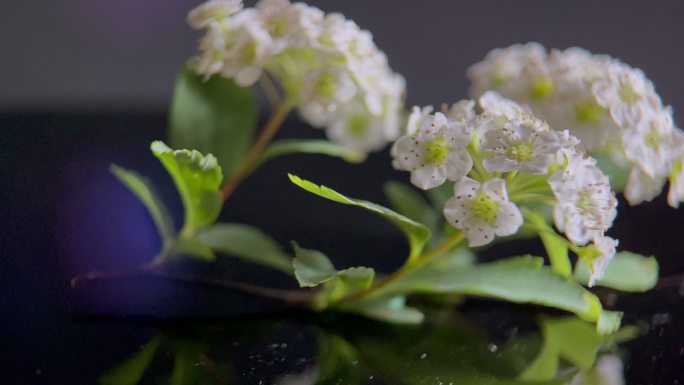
408, 267
252, 158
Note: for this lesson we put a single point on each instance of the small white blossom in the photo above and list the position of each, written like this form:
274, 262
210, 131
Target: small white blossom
608, 370
483, 211
585, 202
606, 248
213, 10
356, 128
461, 111
676, 193
435, 153
323, 92
626, 93
642, 187
525, 145
416, 118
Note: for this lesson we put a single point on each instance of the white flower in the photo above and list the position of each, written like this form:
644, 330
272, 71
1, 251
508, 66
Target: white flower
642, 187
585, 202
323, 91
213, 10
626, 93
416, 118
482, 211
654, 143
525, 145
461, 111
676, 193
503, 68
608, 370
606, 249
495, 105
435, 153
356, 128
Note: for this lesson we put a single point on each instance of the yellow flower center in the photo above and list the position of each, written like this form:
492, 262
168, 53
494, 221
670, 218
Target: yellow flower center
436, 151
325, 85
541, 87
484, 208
357, 125
522, 152
588, 112
628, 95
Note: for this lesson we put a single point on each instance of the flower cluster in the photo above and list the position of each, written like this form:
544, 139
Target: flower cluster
612, 107
502, 158
328, 67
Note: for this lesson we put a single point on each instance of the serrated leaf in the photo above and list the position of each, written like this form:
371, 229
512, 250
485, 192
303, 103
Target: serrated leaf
312, 267
519, 279
197, 178
304, 146
131, 371
627, 271
143, 189
212, 116
417, 233
247, 243
407, 201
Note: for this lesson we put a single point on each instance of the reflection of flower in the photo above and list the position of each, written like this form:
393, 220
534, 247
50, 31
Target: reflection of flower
607, 371
482, 211
435, 153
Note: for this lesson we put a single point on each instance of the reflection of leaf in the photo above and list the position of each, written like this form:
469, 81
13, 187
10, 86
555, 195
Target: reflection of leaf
131, 371
337, 361
212, 116
626, 271
442, 353
569, 338
197, 178
187, 368
322, 147
248, 243
416, 233
143, 189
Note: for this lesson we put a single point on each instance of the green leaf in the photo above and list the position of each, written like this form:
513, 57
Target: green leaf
618, 175
247, 243
569, 338
197, 178
627, 271
388, 309
410, 203
416, 233
186, 367
212, 116
143, 189
322, 147
192, 247
130, 372
519, 279
556, 246
311, 267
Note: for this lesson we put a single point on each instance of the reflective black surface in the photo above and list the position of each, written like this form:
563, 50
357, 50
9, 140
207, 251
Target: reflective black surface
64, 215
